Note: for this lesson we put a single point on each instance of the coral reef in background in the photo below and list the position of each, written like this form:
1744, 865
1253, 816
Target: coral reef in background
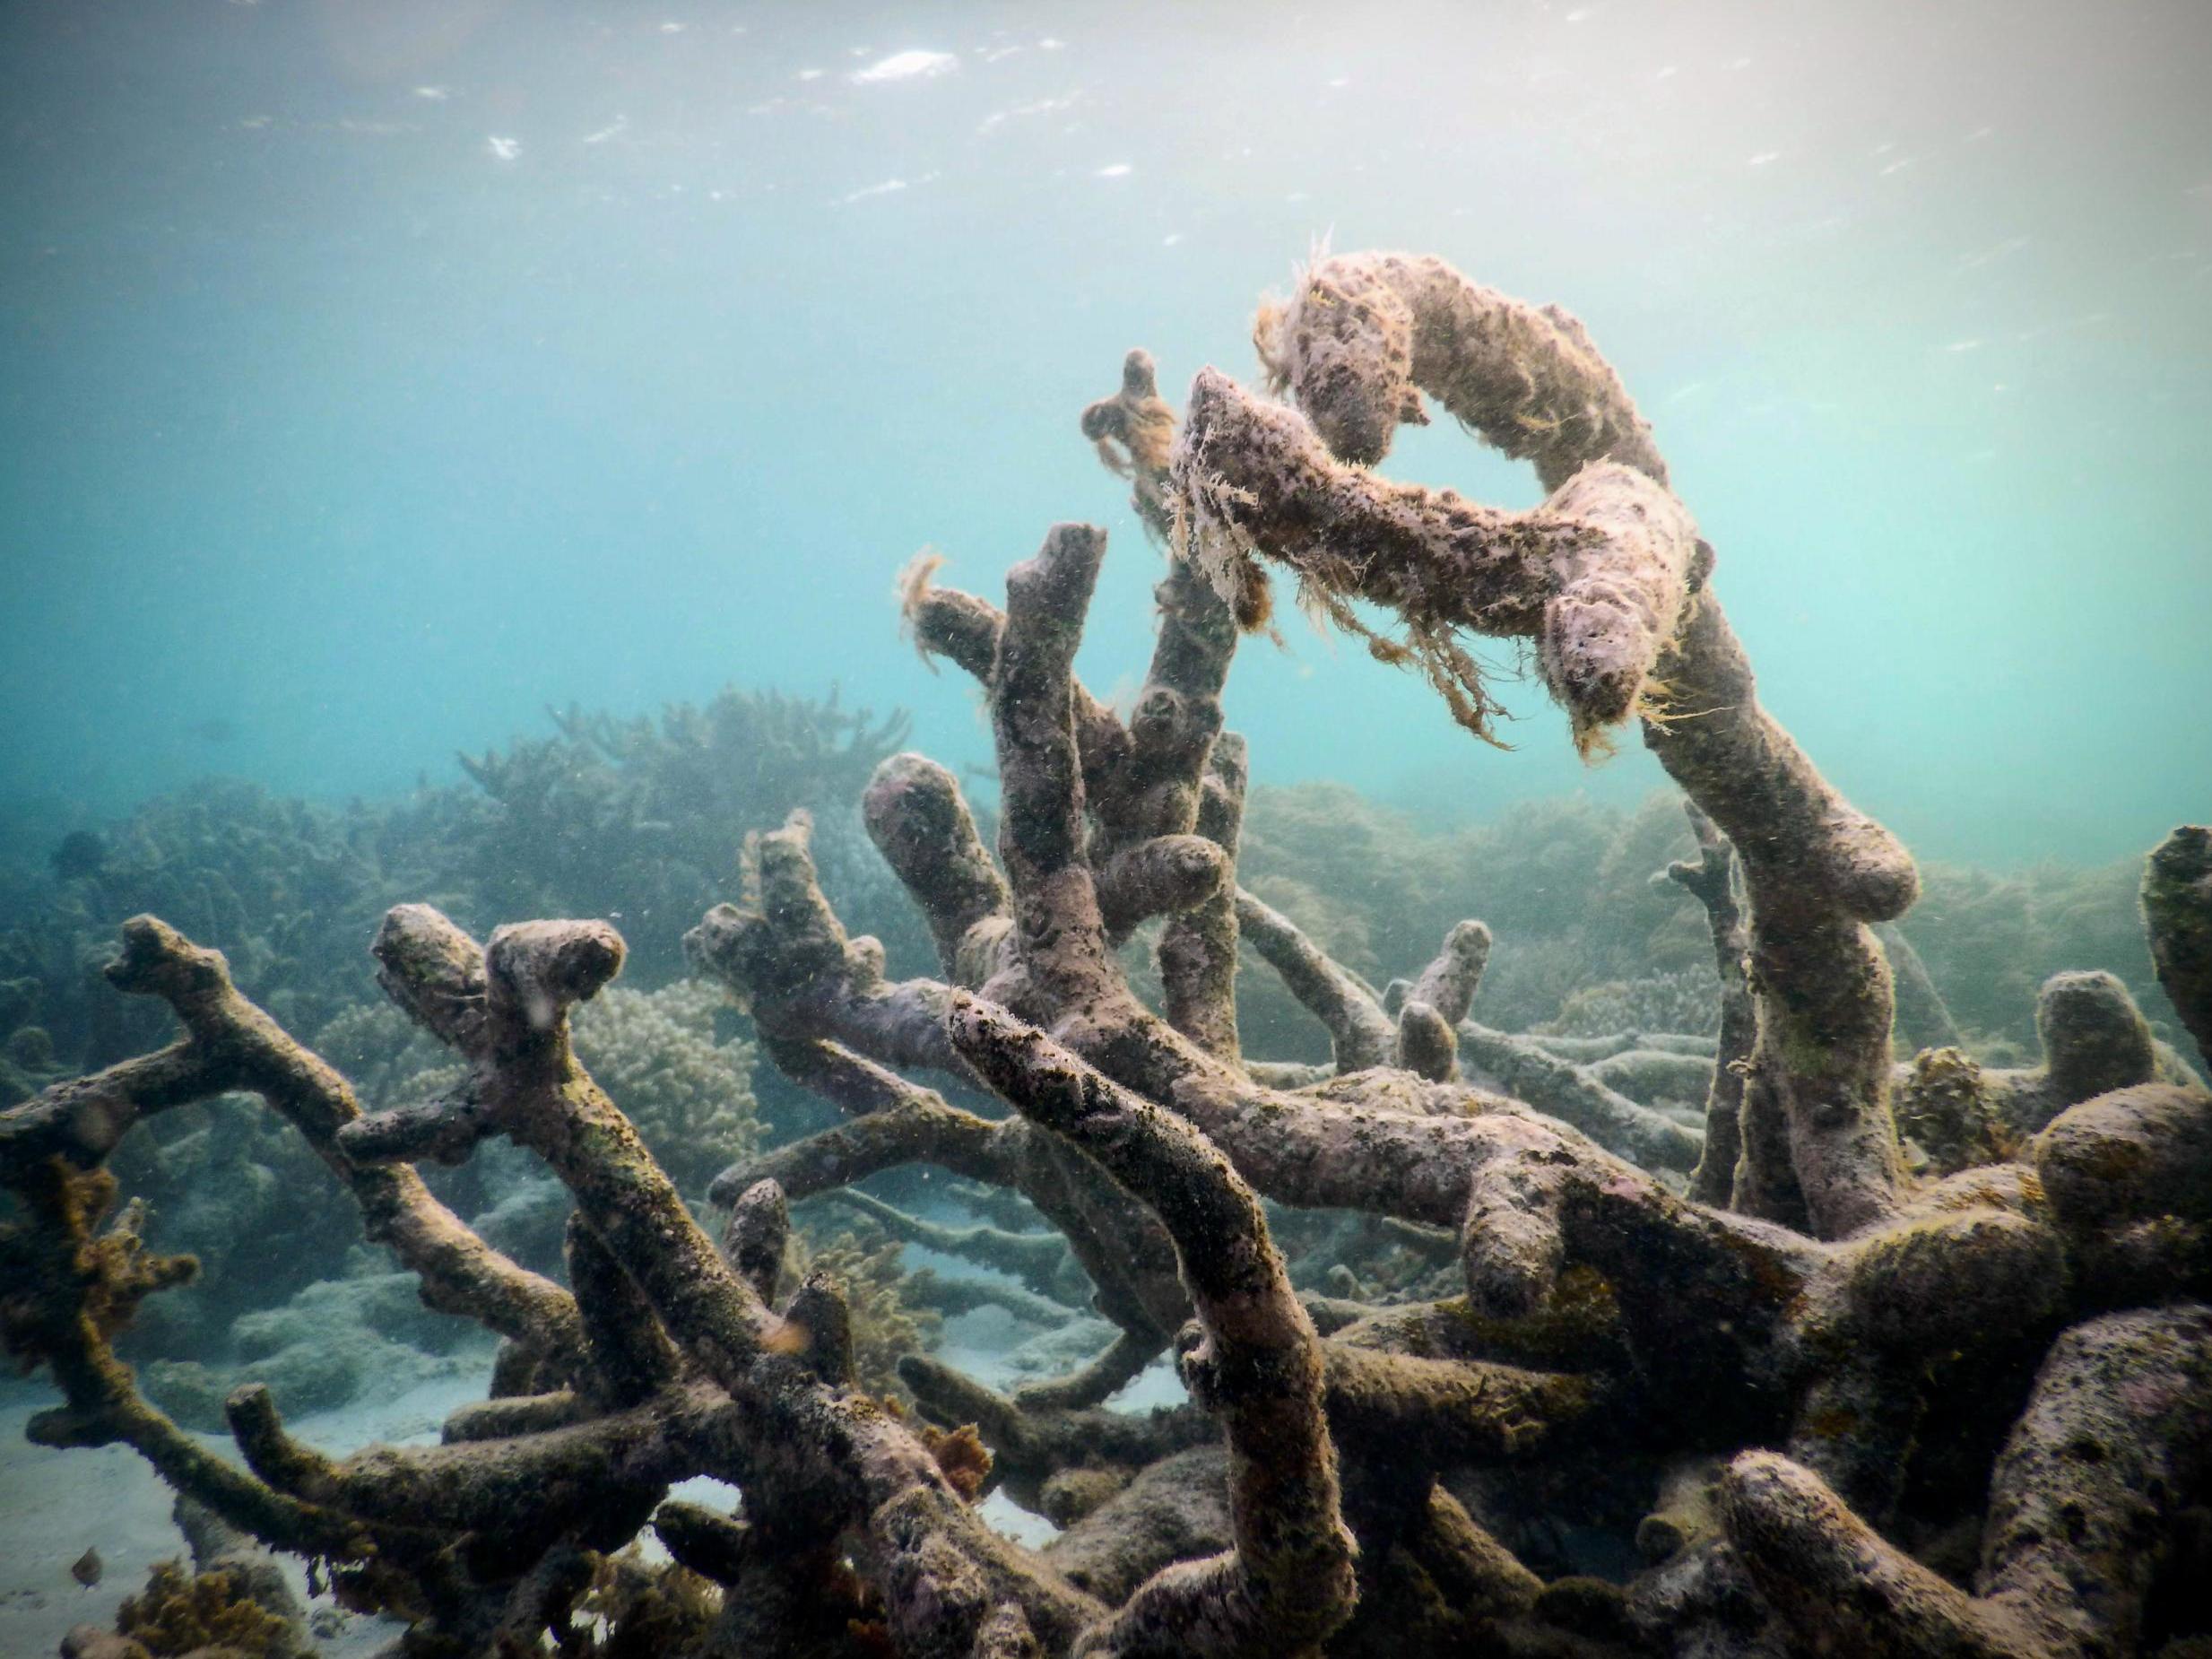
1990, 941
286, 887
1740, 1342
645, 817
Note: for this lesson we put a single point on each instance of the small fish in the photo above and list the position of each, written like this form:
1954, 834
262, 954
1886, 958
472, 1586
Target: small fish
86, 1568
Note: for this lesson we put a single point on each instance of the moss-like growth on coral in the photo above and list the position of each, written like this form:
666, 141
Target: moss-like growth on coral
62, 1264
865, 1265
182, 1613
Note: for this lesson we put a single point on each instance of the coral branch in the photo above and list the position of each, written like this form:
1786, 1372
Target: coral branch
1198, 948
757, 1234
1573, 1094
791, 960
1358, 1027
1044, 1453
1449, 982
1094, 1382
1166, 875
66, 1293
231, 1044
1596, 575
2177, 908
2129, 1176
824, 1447
1815, 871
788, 958
2094, 1041
1438, 1000
1064, 950
1364, 331
2121, 1417
1040, 1260
911, 1125
1712, 881
608, 1472
922, 826
1289, 1580
1818, 1143
1176, 1510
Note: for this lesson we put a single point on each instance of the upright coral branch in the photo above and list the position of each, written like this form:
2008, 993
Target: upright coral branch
2177, 906
1290, 1581
920, 824
1164, 796
1180, 773
1198, 948
1816, 873
1712, 881
1062, 937
1439, 999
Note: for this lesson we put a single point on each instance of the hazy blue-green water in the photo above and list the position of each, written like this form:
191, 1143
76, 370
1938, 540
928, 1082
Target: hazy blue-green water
371, 376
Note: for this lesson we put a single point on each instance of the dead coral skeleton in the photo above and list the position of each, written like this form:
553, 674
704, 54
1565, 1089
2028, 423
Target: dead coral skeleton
1347, 1477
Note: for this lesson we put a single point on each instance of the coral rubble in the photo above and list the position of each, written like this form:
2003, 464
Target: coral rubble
1740, 1339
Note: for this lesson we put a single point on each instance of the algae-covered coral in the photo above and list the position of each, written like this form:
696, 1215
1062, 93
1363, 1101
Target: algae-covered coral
1659, 1341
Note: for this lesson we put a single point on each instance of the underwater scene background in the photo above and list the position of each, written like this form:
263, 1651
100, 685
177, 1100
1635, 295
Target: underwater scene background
377, 435
1591, 1192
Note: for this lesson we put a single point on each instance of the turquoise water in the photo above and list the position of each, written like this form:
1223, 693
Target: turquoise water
371, 377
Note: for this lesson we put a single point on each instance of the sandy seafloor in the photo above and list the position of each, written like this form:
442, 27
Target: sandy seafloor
55, 1504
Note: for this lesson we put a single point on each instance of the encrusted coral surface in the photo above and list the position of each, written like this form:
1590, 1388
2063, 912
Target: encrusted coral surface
1590, 1340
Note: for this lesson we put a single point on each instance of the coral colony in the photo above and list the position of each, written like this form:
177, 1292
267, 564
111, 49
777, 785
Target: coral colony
1491, 1344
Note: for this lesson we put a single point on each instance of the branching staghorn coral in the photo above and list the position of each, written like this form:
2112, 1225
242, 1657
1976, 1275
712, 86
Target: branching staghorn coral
1345, 1478
1712, 881
1826, 1302
1609, 579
